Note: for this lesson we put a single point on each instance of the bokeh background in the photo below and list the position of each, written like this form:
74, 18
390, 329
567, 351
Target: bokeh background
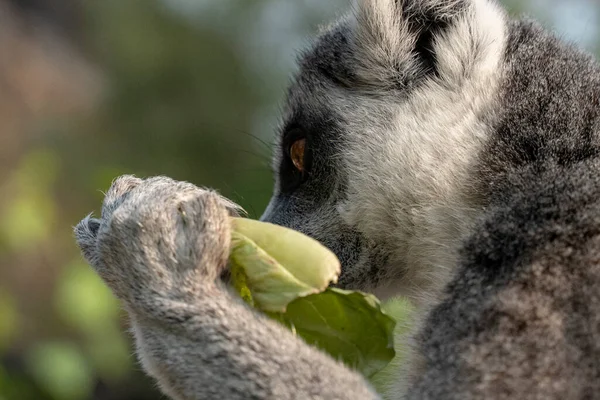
93, 89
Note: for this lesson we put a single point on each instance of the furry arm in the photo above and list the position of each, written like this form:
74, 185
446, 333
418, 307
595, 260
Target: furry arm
162, 246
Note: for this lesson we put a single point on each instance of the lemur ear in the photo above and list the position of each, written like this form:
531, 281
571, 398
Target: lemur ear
394, 37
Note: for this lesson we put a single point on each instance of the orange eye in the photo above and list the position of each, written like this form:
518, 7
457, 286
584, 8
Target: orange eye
297, 154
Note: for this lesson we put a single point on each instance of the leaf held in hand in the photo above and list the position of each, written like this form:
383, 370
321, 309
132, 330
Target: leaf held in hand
402, 311
286, 275
275, 261
349, 326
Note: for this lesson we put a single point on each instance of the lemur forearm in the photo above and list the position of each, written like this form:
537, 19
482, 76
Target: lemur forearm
218, 348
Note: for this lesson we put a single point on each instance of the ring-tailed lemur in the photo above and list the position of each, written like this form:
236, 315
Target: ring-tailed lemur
445, 152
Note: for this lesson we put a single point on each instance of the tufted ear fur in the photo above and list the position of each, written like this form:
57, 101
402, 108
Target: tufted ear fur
398, 41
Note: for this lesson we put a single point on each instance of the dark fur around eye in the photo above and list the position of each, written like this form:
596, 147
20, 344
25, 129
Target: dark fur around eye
290, 176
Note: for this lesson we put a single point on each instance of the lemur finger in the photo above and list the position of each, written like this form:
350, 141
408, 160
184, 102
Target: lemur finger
203, 234
86, 235
184, 227
193, 223
118, 192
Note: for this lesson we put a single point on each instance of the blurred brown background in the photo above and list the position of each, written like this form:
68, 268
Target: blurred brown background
93, 89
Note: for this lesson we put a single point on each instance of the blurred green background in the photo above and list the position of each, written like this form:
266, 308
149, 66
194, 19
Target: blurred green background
90, 90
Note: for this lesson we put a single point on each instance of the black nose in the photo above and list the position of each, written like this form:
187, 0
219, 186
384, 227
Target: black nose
275, 211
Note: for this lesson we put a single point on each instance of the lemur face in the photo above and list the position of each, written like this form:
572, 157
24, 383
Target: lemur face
379, 131
327, 114
311, 181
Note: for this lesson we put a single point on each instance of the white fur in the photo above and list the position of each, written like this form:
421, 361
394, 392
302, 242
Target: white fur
383, 42
409, 164
421, 148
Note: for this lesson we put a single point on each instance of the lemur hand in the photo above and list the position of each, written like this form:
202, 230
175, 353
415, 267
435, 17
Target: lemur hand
161, 246
158, 240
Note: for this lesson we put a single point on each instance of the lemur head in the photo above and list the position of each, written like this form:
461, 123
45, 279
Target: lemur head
380, 124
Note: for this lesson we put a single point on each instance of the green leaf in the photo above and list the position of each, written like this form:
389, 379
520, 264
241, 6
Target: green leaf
293, 250
264, 282
402, 311
275, 261
239, 278
286, 274
349, 326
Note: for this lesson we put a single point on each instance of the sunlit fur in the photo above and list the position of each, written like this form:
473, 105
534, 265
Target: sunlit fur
408, 158
422, 117
452, 156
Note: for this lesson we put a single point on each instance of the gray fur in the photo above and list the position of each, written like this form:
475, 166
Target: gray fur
522, 317
161, 246
452, 157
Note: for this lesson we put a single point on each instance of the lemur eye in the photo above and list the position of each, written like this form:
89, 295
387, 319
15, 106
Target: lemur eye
297, 154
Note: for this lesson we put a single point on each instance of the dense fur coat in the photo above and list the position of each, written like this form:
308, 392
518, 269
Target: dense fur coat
452, 157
